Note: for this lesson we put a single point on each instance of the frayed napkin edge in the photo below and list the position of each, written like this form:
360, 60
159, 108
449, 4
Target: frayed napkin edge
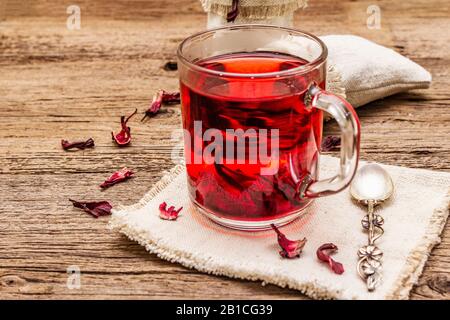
411, 271
118, 223
311, 289
417, 258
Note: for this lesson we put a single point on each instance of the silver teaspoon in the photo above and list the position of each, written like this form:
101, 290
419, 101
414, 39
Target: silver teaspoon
371, 186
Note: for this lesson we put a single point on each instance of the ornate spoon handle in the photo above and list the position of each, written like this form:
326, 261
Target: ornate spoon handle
369, 264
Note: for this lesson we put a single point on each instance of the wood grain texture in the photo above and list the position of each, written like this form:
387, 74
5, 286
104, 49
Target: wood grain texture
56, 83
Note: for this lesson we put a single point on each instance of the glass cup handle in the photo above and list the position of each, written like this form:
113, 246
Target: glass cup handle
348, 122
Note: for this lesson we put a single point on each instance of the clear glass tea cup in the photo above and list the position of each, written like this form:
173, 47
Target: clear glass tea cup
253, 98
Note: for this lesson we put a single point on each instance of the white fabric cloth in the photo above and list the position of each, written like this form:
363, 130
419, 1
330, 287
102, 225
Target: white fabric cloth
369, 71
216, 20
414, 220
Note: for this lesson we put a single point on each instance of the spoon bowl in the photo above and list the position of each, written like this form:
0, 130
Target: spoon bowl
371, 182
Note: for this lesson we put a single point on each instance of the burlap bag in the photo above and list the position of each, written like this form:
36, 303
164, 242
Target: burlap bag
278, 12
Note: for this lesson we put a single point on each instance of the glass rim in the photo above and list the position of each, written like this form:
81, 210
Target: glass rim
311, 65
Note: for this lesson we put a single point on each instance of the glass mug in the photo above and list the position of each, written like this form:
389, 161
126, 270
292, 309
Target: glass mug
252, 103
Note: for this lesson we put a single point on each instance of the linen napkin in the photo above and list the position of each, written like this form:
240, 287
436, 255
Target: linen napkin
414, 219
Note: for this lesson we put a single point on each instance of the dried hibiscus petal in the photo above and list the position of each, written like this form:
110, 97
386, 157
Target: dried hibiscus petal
158, 99
155, 105
233, 13
171, 97
290, 249
171, 66
118, 176
323, 256
124, 136
168, 213
96, 209
66, 145
330, 143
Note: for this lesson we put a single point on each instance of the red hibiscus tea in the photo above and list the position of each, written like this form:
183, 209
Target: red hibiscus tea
234, 188
253, 124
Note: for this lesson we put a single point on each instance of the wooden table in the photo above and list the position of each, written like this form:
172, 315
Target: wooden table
57, 83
